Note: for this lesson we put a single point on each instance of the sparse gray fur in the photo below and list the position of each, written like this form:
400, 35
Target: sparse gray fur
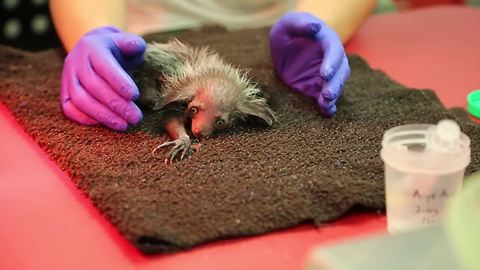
173, 72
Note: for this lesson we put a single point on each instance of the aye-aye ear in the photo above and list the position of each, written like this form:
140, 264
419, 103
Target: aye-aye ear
259, 109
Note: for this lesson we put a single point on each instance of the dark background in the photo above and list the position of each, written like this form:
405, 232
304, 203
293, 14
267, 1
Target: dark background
27, 24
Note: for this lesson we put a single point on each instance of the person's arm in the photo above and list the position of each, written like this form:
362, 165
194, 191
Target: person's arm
344, 16
95, 85
73, 19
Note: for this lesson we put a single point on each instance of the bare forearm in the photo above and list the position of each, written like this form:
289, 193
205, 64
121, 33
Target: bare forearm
344, 16
73, 19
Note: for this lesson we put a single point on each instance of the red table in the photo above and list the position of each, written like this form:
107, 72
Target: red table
46, 223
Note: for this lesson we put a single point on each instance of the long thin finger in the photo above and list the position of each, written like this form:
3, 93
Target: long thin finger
165, 144
154, 151
171, 159
175, 151
184, 152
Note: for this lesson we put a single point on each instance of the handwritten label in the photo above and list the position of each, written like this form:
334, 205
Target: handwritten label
429, 206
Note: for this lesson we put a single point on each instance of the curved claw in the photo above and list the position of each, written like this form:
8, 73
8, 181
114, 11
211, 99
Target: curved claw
173, 153
163, 145
180, 145
184, 152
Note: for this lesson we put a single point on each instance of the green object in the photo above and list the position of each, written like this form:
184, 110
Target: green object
453, 244
422, 249
474, 103
385, 6
463, 223
474, 2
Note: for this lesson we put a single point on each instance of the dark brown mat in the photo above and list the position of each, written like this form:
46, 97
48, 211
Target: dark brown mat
248, 181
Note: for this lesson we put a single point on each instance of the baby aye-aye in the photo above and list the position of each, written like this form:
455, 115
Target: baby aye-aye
181, 82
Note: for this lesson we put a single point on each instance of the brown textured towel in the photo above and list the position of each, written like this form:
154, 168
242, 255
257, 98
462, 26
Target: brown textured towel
248, 181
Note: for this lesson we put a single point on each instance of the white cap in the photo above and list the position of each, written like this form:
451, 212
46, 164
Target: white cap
440, 148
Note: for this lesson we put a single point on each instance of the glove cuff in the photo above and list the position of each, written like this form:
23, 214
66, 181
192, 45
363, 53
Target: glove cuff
110, 29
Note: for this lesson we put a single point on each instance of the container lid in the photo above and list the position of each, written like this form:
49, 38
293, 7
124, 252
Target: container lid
474, 103
424, 148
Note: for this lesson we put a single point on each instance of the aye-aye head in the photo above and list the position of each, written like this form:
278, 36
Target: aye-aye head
217, 97
217, 93
219, 101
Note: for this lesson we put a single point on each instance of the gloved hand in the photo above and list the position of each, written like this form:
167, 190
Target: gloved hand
309, 57
95, 86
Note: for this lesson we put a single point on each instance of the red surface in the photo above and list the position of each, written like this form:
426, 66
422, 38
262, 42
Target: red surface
46, 223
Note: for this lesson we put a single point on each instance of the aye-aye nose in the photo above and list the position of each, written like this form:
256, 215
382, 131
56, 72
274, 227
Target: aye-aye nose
197, 133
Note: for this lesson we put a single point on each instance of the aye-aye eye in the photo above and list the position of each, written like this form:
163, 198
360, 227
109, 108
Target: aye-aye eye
220, 123
193, 110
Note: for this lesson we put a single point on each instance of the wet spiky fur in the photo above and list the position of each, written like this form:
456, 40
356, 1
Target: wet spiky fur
176, 78
174, 72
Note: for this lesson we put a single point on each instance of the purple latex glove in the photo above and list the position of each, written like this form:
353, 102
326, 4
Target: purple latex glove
95, 85
309, 57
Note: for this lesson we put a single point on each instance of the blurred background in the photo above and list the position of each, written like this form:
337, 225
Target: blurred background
399, 5
26, 24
